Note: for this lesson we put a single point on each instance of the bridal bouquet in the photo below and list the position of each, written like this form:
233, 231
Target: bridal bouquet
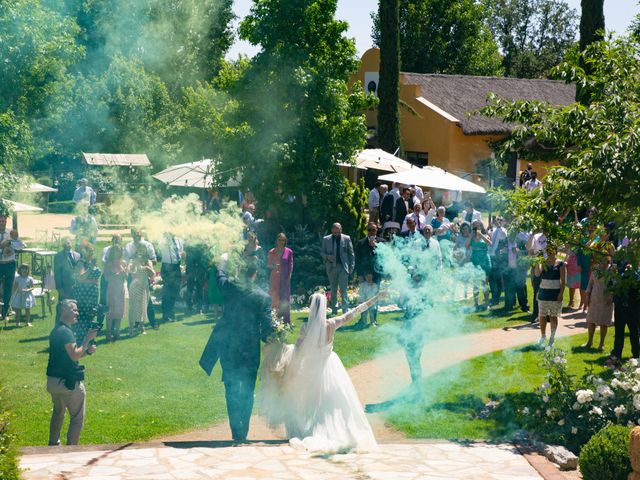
279, 329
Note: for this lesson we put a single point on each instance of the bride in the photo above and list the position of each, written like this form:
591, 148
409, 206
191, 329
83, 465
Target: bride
315, 397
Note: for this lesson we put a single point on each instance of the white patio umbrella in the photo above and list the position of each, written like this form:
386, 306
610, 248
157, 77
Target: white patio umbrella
22, 207
39, 188
433, 177
193, 174
377, 159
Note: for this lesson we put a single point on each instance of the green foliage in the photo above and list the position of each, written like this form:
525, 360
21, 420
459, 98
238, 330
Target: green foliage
592, 30
15, 139
534, 35
303, 119
445, 36
351, 214
597, 144
308, 272
389, 84
66, 206
8, 459
606, 455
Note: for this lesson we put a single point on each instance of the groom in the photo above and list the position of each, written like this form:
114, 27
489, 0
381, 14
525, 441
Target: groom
235, 341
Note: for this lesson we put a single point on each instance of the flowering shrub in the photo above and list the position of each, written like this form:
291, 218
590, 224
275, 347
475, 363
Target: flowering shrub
279, 329
570, 411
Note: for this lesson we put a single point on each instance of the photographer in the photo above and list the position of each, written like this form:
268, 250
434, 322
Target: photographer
65, 375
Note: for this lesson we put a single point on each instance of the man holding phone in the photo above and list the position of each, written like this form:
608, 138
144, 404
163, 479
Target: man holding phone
65, 375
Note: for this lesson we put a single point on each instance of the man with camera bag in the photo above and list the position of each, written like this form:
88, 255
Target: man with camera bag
65, 375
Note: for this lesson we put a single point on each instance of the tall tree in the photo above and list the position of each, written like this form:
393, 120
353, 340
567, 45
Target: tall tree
444, 36
301, 116
534, 35
389, 83
591, 31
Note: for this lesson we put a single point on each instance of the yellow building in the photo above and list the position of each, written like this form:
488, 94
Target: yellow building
435, 125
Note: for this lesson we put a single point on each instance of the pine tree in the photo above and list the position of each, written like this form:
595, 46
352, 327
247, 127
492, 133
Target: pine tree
389, 84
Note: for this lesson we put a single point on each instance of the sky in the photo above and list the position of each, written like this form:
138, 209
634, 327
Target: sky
618, 16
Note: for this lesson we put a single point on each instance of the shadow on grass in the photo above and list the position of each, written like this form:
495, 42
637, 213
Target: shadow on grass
34, 339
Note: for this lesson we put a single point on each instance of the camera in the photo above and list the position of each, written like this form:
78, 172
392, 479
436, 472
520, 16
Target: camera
77, 375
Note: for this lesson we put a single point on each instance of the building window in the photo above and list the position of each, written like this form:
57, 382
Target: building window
421, 159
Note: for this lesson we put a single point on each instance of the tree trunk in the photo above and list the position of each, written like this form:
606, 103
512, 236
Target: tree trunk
591, 31
389, 84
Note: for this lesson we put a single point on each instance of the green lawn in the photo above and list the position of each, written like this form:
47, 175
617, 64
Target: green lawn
452, 398
151, 385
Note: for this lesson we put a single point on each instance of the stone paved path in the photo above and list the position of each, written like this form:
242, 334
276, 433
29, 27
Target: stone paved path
397, 461
387, 375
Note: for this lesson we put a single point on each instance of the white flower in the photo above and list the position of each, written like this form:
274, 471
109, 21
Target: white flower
525, 411
557, 359
636, 401
576, 406
615, 383
545, 398
605, 391
620, 410
574, 430
561, 422
550, 412
584, 396
596, 411
634, 362
635, 388
545, 385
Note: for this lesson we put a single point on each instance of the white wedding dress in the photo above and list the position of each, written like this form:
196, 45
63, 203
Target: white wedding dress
318, 403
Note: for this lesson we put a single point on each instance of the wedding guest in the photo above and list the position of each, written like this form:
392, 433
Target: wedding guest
441, 225
387, 207
213, 201
536, 247
280, 263
600, 304
115, 274
419, 194
65, 386
23, 297
411, 232
141, 271
375, 198
515, 277
128, 254
533, 183
14, 245
171, 254
248, 202
460, 251
337, 253
402, 206
64, 266
479, 243
584, 254
84, 227
452, 207
116, 240
553, 275
7, 265
196, 272
368, 275
499, 259
573, 276
432, 244
85, 291
418, 216
470, 214
84, 193
626, 300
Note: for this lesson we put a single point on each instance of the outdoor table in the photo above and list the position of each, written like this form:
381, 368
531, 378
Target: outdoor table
41, 262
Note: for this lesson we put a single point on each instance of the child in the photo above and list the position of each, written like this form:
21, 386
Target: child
9, 251
23, 297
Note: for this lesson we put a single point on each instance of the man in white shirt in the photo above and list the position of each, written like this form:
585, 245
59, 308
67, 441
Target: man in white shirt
533, 183
432, 244
84, 193
375, 198
418, 216
130, 248
419, 194
171, 253
470, 214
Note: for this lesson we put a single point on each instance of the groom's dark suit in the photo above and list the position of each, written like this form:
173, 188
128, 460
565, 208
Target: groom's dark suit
235, 341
